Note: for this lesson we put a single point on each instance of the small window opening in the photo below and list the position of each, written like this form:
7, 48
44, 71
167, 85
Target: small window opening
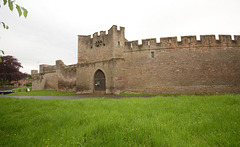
91, 46
118, 42
170, 41
131, 45
148, 42
103, 44
189, 40
152, 54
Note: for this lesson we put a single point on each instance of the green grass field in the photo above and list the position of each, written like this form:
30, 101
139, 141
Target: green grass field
42, 92
156, 121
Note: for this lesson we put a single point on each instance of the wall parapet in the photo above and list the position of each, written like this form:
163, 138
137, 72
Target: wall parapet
60, 64
186, 41
68, 71
43, 68
101, 39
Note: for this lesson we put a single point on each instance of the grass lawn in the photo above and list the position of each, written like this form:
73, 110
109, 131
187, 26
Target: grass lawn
42, 92
136, 95
156, 121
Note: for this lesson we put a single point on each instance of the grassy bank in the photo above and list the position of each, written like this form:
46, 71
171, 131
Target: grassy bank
157, 121
22, 89
43, 92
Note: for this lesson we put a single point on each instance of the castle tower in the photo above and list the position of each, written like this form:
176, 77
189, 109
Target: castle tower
101, 47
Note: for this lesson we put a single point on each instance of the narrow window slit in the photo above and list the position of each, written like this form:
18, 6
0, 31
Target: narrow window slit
152, 54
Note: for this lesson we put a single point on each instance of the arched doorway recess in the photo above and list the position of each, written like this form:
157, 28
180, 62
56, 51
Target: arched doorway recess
99, 81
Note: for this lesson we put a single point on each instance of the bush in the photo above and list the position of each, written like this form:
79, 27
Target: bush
28, 84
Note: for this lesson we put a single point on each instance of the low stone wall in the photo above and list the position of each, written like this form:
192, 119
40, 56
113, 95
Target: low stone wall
6, 87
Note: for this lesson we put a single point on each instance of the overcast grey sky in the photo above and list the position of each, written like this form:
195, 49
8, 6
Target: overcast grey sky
50, 31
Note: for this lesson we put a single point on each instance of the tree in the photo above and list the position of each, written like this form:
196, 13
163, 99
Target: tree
11, 4
9, 70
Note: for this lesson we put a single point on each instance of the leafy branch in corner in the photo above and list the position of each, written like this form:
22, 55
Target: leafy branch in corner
1, 51
11, 4
21, 11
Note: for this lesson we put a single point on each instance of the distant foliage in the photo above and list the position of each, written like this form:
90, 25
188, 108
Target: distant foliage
28, 84
29, 77
9, 70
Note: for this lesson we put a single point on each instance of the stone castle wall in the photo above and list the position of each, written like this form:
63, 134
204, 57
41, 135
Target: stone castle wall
55, 77
189, 66
45, 79
85, 82
183, 70
66, 76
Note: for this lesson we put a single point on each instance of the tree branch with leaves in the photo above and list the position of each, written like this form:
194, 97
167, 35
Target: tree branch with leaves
21, 11
11, 4
1, 51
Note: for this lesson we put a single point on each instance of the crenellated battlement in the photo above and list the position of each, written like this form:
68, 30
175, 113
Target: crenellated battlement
186, 41
102, 39
60, 66
103, 46
112, 44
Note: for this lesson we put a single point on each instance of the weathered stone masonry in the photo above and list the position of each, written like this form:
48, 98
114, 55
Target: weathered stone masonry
109, 63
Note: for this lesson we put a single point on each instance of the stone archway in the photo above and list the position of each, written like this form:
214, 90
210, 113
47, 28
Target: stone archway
99, 81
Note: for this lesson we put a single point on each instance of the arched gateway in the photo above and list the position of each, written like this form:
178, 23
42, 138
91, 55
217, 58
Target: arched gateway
99, 81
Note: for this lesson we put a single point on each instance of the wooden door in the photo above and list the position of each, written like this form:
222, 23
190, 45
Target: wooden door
99, 81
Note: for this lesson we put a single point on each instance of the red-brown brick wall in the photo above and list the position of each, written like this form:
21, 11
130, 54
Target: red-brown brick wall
183, 70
